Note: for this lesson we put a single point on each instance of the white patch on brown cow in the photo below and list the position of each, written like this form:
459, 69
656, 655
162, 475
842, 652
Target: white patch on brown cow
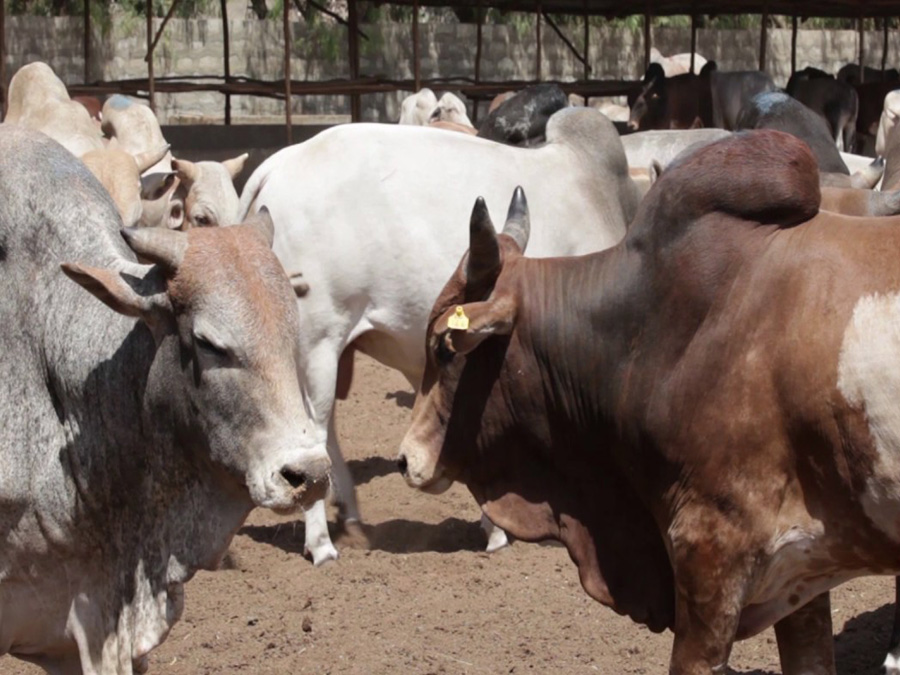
869, 377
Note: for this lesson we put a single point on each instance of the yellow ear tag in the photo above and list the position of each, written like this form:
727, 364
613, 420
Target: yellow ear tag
459, 320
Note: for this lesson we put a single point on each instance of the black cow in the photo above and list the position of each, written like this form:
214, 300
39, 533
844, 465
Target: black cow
732, 91
680, 102
850, 74
776, 110
836, 102
522, 118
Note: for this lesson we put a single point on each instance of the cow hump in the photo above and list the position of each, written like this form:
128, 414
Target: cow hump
762, 176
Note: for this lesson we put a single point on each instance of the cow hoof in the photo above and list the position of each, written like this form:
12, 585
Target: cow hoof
354, 535
321, 554
497, 540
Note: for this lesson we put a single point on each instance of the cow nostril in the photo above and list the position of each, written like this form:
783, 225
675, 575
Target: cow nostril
402, 464
294, 478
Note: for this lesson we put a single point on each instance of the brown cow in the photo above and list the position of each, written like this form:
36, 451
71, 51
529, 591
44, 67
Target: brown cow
705, 414
860, 202
680, 102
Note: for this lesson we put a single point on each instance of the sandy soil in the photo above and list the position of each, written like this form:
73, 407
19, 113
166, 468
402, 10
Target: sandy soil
425, 599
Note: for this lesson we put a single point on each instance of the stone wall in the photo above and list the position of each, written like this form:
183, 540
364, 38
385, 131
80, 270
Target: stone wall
195, 46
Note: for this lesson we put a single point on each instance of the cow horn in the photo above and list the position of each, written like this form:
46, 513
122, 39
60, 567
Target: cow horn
186, 170
164, 247
147, 159
518, 224
484, 250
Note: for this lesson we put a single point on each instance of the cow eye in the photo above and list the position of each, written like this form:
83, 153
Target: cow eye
209, 347
203, 221
442, 352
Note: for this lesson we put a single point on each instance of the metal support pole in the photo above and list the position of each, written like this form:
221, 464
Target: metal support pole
884, 48
793, 44
587, 45
537, 65
763, 38
693, 41
478, 33
151, 86
2, 60
87, 40
286, 19
417, 72
647, 19
860, 23
353, 19
227, 58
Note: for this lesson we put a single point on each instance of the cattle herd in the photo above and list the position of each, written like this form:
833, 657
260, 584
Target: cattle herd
690, 380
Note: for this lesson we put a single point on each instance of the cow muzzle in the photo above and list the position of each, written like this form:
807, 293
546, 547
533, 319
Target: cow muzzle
420, 472
305, 484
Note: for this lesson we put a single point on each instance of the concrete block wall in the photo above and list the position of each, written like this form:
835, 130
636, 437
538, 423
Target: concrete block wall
195, 47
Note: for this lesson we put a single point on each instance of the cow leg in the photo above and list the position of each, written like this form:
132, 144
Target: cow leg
704, 634
497, 538
318, 542
805, 640
892, 660
320, 378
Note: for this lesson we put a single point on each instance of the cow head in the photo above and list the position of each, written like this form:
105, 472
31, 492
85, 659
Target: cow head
648, 102
211, 198
474, 307
120, 173
487, 415
223, 377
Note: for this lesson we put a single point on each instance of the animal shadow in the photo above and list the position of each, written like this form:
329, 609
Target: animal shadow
859, 648
392, 536
364, 470
404, 399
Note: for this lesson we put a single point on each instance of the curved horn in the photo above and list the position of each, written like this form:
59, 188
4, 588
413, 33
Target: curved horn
147, 159
518, 224
186, 170
164, 247
484, 250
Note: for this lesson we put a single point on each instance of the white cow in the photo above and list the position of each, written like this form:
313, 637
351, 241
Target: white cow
677, 64
450, 108
416, 108
367, 221
888, 120
206, 194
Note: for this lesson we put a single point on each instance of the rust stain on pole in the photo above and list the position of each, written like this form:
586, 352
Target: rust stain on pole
226, 58
286, 20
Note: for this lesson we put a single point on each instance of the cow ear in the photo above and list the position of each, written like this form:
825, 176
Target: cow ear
137, 296
235, 165
654, 171
262, 222
464, 327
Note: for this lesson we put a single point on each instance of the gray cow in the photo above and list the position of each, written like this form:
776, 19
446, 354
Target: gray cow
134, 437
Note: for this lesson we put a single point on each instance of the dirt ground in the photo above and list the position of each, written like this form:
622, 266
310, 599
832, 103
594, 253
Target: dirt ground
425, 598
